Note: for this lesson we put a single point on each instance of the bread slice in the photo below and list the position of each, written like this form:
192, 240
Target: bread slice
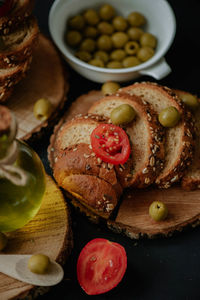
179, 139
11, 76
5, 93
146, 137
17, 46
20, 11
191, 180
77, 169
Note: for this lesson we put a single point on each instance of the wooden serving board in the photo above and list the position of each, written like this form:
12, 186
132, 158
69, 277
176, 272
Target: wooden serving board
48, 233
132, 217
45, 79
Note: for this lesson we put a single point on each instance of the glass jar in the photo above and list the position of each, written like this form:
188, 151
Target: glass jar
22, 177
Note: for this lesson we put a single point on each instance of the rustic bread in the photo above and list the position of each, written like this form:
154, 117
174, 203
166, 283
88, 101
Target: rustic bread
146, 137
191, 180
20, 11
179, 139
17, 46
5, 93
77, 169
11, 76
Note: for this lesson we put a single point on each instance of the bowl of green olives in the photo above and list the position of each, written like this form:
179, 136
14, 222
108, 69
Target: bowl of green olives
114, 40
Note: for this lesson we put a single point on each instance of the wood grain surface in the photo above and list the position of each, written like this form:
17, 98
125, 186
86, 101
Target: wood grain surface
132, 217
45, 79
48, 233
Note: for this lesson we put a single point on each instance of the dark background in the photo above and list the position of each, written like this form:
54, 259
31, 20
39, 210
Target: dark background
157, 269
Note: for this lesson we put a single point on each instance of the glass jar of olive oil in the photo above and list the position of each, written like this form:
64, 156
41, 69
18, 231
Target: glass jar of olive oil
22, 177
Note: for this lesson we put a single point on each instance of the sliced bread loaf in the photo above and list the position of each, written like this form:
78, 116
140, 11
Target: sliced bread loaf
77, 169
17, 46
11, 76
179, 139
17, 15
146, 137
191, 180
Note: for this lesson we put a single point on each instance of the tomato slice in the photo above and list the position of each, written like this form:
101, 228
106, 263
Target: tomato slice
110, 143
101, 266
5, 6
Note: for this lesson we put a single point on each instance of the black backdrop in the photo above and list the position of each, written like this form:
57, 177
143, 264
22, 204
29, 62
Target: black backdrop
157, 269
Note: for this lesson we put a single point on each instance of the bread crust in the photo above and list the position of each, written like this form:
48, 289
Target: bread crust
186, 145
23, 51
15, 74
153, 164
16, 16
5, 93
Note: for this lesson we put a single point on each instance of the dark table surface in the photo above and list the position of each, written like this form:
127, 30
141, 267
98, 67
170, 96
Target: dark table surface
157, 269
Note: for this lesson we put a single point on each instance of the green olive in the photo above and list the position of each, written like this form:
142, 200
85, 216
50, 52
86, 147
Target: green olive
114, 64
136, 19
134, 33
102, 55
158, 211
73, 38
77, 22
90, 32
148, 39
119, 39
39, 263
96, 62
105, 28
118, 55
104, 42
3, 241
88, 45
145, 53
109, 88
91, 17
131, 47
107, 12
84, 55
42, 109
119, 23
122, 114
169, 117
130, 61
189, 100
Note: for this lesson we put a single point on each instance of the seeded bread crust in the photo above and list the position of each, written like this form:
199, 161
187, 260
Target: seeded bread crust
11, 76
18, 15
148, 129
20, 52
184, 155
191, 179
77, 169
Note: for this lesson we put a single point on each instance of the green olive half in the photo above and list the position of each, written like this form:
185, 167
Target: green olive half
122, 114
169, 117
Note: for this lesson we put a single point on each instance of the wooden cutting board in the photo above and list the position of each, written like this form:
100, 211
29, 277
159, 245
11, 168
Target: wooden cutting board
48, 233
132, 217
45, 79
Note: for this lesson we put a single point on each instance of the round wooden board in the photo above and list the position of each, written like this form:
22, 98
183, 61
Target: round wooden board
45, 79
49, 233
132, 216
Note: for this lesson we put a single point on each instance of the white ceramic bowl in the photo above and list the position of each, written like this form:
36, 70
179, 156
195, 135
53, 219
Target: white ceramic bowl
161, 22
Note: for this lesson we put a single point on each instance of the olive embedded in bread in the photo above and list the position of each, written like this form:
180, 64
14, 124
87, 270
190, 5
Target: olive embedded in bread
169, 117
122, 114
189, 100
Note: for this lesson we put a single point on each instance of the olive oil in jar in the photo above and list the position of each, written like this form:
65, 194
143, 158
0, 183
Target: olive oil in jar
22, 185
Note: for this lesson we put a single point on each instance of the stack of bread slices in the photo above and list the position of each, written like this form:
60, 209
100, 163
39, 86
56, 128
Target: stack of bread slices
18, 36
160, 156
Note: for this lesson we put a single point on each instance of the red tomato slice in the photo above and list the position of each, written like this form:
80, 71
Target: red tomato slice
5, 6
110, 143
101, 266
